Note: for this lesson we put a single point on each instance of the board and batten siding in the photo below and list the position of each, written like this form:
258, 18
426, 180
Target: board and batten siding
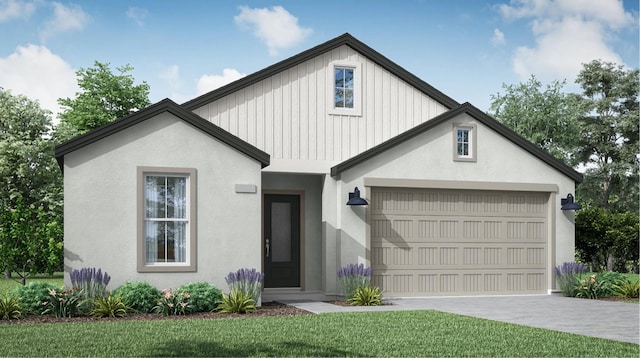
287, 115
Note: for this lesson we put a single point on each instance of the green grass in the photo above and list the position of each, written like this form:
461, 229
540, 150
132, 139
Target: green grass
404, 333
7, 285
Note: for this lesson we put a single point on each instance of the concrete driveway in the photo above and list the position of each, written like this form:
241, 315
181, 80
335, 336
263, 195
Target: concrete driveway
604, 319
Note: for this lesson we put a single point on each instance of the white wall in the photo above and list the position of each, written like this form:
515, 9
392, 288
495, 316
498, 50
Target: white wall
429, 156
100, 202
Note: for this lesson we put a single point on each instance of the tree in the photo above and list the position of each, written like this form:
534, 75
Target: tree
546, 118
29, 177
608, 142
104, 97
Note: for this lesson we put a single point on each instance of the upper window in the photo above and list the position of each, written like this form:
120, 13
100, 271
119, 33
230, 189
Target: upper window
464, 142
167, 220
345, 89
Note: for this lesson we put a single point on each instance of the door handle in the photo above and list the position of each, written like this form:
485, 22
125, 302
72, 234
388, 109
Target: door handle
267, 246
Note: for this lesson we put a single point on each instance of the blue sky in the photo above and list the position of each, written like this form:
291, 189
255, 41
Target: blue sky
465, 48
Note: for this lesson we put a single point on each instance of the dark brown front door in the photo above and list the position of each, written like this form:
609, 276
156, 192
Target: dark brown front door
281, 242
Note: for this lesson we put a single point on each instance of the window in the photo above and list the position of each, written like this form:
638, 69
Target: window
344, 88
166, 219
464, 142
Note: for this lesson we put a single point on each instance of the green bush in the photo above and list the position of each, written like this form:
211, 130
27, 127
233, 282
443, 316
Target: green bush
366, 296
608, 280
32, 296
627, 288
138, 296
237, 302
203, 296
10, 307
110, 306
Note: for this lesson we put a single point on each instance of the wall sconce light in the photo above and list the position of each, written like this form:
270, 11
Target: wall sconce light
355, 199
568, 204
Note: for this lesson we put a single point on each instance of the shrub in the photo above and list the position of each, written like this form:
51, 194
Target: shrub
237, 302
607, 281
91, 282
32, 296
172, 304
63, 303
203, 296
366, 296
110, 306
567, 276
248, 281
627, 288
352, 277
138, 296
10, 307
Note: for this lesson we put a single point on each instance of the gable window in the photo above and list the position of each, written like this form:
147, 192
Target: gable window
344, 89
464, 142
166, 226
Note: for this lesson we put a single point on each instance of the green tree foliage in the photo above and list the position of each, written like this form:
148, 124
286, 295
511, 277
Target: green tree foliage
547, 118
104, 97
608, 143
608, 240
30, 189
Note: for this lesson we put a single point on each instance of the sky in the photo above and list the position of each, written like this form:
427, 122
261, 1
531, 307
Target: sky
465, 48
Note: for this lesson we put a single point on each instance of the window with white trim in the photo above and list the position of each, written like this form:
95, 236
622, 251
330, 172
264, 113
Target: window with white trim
464, 142
344, 88
166, 227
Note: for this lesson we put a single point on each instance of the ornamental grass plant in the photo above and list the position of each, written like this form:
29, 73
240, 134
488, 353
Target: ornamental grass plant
568, 277
353, 277
91, 282
247, 281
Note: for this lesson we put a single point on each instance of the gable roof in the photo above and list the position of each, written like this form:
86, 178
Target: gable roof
480, 117
169, 106
345, 39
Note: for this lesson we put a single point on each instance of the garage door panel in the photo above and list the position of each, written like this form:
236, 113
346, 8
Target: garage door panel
457, 242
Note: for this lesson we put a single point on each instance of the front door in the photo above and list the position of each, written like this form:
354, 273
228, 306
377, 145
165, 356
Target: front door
281, 241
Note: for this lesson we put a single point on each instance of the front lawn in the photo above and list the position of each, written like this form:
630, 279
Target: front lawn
405, 333
8, 284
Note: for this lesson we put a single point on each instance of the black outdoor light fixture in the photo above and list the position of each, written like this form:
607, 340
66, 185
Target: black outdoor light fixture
355, 199
568, 204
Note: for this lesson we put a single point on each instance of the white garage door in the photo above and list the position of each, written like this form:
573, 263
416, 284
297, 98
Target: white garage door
427, 242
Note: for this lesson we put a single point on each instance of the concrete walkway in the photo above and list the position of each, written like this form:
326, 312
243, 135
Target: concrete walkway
604, 319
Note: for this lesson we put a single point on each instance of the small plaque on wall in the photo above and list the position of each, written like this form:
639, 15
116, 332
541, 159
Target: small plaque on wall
246, 188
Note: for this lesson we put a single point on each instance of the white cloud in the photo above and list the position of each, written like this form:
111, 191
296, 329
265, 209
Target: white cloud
14, 9
498, 37
37, 73
567, 34
65, 18
138, 15
208, 83
276, 27
171, 75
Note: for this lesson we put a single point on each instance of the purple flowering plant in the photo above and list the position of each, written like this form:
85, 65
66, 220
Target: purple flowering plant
568, 277
91, 282
352, 277
247, 281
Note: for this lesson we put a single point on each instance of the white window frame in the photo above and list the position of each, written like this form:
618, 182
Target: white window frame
189, 265
472, 144
357, 89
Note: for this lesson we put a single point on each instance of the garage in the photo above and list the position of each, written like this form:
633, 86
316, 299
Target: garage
441, 242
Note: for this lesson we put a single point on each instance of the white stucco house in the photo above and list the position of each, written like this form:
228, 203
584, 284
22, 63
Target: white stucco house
257, 174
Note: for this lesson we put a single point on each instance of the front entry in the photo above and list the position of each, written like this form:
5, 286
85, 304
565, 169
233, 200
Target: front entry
281, 241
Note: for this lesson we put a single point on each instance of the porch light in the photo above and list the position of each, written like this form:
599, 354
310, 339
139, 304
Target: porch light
355, 199
568, 204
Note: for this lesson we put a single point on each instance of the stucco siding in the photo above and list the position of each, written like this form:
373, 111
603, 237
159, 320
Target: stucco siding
428, 156
100, 202
288, 116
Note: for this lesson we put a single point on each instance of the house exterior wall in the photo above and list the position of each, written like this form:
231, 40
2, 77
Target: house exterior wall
288, 116
428, 156
100, 203
310, 189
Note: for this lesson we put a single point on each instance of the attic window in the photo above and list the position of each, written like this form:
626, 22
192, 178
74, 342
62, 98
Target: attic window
464, 142
344, 89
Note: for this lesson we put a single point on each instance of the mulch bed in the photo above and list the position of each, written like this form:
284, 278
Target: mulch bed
268, 309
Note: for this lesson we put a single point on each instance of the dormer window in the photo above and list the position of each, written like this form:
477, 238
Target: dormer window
464, 142
345, 89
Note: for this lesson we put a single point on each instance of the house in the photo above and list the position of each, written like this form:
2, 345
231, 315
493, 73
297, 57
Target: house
257, 174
